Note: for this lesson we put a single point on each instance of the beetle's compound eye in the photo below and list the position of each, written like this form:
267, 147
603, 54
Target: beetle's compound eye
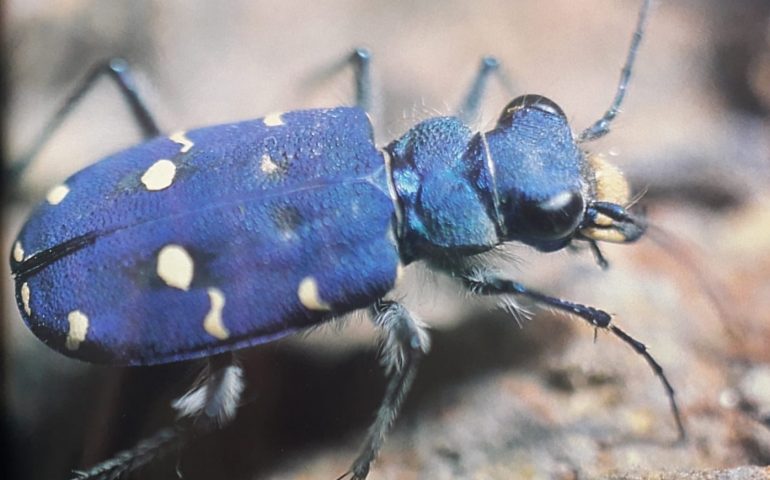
529, 102
553, 218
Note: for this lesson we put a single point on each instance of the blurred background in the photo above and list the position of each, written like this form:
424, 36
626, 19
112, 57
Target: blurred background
492, 400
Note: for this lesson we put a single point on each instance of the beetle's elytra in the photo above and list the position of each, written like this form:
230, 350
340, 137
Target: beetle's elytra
225, 214
202, 242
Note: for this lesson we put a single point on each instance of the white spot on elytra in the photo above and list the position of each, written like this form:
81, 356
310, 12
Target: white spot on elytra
175, 266
309, 296
159, 175
18, 251
212, 323
267, 165
25, 293
78, 328
57, 194
181, 138
273, 120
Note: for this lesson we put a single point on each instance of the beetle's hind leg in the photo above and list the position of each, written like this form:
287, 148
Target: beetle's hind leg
214, 397
210, 403
115, 69
405, 343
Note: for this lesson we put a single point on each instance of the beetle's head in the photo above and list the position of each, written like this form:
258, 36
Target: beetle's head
548, 192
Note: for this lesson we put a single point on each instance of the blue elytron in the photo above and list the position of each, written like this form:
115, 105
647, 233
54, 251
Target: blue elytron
196, 244
202, 242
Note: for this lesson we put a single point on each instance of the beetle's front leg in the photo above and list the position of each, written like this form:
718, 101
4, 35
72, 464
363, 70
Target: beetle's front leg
489, 283
405, 343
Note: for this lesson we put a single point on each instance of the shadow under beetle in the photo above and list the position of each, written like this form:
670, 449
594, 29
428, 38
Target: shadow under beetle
206, 241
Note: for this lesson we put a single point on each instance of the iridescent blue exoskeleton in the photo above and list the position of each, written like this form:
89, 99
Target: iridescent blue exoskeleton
203, 242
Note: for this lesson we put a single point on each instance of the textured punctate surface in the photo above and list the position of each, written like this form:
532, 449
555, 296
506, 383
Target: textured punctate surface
212, 239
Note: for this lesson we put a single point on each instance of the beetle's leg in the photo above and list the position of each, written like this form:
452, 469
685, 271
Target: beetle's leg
361, 59
601, 127
486, 283
597, 253
469, 108
211, 402
599, 257
118, 70
406, 341
136, 457
214, 398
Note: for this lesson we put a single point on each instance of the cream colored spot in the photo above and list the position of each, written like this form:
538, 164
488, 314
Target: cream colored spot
309, 296
604, 235
267, 165
175, 266
603, 220
57, 194
180, 138
212, 323
18, 252
25, 298
611, 185
78, 328
273, 120
159, 175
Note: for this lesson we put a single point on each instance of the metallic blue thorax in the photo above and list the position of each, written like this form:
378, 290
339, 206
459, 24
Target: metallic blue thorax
444, 188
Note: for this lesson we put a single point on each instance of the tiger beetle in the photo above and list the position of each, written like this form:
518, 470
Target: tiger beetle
199, 243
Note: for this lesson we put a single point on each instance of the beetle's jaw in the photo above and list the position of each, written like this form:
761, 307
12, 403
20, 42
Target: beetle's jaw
606, 219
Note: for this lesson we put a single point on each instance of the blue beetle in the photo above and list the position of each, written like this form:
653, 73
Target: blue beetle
203, 242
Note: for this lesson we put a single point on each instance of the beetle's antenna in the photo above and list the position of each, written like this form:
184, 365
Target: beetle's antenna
601, 127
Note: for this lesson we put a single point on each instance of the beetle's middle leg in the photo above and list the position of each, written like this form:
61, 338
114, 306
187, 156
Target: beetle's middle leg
405, 343
214, 398
490, 66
